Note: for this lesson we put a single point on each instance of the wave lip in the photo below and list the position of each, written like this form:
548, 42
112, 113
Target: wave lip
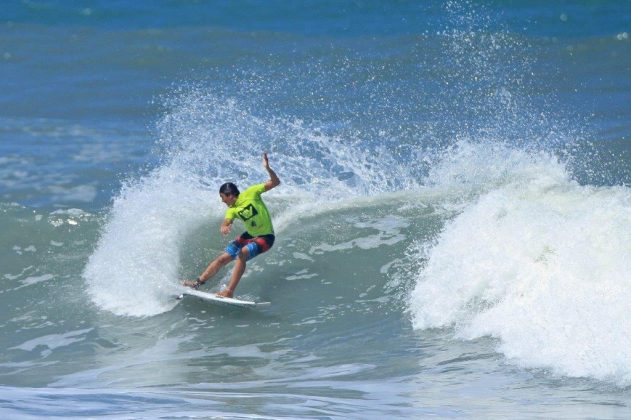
542, 264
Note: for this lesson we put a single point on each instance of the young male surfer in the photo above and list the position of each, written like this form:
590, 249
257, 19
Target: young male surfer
258, 237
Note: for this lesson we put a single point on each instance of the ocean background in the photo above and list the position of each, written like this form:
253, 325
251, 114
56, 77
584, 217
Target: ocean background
453, 228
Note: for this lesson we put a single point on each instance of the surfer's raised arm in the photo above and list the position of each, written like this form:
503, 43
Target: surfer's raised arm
273, 180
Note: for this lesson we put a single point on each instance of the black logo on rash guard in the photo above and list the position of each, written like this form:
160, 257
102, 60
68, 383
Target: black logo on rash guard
247, 213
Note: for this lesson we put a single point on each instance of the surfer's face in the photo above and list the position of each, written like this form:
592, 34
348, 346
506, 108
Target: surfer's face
228, 199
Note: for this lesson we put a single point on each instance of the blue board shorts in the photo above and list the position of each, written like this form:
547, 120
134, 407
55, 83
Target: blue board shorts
256, 245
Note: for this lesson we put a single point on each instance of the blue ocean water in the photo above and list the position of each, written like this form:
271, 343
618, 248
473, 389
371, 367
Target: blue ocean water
453, 227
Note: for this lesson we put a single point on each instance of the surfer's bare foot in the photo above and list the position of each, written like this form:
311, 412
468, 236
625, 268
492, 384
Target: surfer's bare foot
227, 293
192, 283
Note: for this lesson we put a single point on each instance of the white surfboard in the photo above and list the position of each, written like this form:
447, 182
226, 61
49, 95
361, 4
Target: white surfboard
213, 298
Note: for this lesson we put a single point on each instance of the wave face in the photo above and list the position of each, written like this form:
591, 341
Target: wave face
526, 254
526, 250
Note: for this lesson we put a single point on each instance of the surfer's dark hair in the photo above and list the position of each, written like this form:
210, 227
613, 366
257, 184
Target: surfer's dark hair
229, 189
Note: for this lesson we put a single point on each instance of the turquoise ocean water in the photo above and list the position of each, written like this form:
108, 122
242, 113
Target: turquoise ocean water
453, 228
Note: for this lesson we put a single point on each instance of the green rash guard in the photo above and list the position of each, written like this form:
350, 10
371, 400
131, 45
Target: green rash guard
250, 208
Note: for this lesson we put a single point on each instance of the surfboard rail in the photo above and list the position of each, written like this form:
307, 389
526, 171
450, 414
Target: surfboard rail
213, 298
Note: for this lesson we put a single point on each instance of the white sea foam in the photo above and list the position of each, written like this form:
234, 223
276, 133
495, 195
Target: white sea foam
50, 342
389, 232
540, 262
29, 281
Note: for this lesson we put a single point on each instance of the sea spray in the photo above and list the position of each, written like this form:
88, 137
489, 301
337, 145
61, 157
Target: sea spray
221, 139
133, 268
203, 142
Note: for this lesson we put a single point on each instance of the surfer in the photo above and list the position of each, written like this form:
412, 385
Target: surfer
258, 237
